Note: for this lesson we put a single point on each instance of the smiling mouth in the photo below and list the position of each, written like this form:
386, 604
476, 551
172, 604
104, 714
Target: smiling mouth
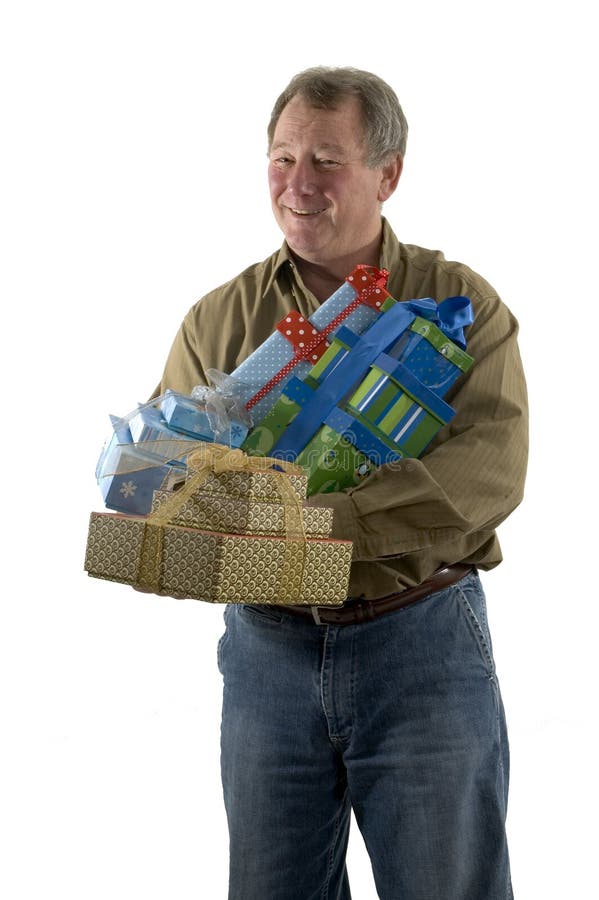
305, 212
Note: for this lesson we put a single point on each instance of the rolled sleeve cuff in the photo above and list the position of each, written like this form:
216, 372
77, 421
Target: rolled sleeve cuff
344, 518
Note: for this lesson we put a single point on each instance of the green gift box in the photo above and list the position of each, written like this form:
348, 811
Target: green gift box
393, 401
265, 435
343, 452
337, 350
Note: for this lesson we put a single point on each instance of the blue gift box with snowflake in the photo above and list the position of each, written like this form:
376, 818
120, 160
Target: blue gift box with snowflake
120, 434
129, 476
129, 471
145, 452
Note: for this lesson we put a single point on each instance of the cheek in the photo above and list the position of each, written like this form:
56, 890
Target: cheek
276, 182
363, 199
348, 195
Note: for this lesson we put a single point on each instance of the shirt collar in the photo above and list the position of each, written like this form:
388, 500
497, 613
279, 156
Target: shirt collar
282, 258
390, 249
389, 257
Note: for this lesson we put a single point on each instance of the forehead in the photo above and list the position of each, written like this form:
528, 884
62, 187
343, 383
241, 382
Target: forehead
303, 125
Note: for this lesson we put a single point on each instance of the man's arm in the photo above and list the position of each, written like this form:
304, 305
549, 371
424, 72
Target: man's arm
473, 475
183, 369
469, 480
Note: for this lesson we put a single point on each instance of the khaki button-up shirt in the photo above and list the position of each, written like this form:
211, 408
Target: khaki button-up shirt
411, 518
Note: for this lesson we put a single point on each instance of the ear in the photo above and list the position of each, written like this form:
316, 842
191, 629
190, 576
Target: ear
390, 173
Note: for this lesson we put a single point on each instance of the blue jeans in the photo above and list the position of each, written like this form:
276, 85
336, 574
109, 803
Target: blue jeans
399, 719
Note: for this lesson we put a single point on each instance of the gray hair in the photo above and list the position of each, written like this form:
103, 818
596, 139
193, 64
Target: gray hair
324, 87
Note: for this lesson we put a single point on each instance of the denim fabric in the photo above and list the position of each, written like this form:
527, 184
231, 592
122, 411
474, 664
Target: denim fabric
400, 719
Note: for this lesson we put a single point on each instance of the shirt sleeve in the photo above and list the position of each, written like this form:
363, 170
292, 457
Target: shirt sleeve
471, 477
183, 369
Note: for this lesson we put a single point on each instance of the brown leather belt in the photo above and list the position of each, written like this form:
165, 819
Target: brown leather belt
356, 611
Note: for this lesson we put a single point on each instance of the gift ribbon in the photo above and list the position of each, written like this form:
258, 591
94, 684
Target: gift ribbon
369, 284
217, 458
146, 455
350, 371
143, 454
452, 315
390, 368
307, 341
222, 402
120, 422
311, 348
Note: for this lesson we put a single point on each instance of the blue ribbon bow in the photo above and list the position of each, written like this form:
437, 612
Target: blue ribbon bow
452, 315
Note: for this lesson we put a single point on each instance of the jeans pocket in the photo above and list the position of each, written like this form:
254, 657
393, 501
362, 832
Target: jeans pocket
472, 601
260, 613
220, 647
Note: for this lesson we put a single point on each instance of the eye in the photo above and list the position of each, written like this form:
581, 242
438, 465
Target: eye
281, 162
328, 163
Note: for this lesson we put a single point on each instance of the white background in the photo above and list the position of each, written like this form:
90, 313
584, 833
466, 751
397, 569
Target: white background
133, 181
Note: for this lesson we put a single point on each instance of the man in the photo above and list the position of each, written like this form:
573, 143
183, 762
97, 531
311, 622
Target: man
389, 707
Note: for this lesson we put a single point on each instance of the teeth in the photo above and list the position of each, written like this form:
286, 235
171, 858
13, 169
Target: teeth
306, 212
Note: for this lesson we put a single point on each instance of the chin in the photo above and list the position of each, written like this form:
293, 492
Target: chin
308, 250
305, 241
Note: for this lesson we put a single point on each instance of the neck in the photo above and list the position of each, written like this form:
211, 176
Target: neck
324, 278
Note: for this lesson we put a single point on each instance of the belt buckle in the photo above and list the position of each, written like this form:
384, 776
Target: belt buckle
315, 615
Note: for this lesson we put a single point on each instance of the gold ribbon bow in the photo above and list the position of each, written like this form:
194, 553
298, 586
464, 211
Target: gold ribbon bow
217, 458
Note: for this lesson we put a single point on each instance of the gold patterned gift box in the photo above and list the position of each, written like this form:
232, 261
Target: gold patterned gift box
245, 502
221, 568
249, 484
161, 554
214, 511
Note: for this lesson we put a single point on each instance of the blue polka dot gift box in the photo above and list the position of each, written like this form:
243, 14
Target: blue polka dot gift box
297, 343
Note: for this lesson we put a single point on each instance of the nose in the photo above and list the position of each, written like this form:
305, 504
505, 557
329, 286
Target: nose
302, 179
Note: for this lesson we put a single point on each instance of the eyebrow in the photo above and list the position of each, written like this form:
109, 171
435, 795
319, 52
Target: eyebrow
330, 148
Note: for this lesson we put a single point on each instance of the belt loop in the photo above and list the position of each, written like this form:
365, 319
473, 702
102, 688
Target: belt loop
315, 616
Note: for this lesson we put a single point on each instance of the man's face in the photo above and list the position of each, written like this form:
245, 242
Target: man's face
324, 197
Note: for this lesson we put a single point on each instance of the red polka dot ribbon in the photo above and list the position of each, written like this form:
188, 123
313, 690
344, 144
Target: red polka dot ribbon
309, 343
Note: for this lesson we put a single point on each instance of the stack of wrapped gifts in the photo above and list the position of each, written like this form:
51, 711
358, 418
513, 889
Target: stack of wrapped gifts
372, 397
235, 532
357, 385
